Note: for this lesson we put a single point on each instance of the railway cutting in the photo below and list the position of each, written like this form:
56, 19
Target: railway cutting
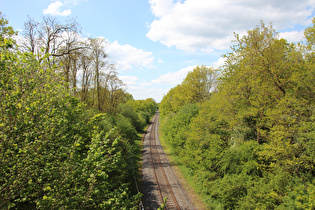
159, 180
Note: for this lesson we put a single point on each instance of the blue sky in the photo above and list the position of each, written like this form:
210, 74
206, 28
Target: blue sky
154, 43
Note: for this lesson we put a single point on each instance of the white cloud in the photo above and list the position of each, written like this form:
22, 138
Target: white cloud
129, 80
219, 62
173, 78
55, 9
156, 88
126, 56
292, 36
207, 25
143, 90
160, 60
140, 93
74, 2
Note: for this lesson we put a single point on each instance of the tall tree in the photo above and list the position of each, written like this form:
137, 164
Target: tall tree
86, 67
114, 88
50, 35
98, 56
68, 55
260, 71
197, 87
308, 86
200, 82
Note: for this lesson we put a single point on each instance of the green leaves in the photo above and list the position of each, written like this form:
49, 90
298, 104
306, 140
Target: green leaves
196, 88
175, 129
52, 154
251, 144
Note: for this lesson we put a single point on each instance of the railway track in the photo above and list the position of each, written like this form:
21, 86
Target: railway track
163, 185
159, 181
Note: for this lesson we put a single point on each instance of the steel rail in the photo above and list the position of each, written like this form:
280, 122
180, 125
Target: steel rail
152, 138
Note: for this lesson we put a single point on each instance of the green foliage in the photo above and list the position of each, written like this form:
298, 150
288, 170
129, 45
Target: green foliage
175, 129
125, 127
50, 158
136, 119
196, 88
55, 152
240, 159
250, 145
6, 34
103, 122
148, 105
310, 35
229, 190
301, 197
199, 83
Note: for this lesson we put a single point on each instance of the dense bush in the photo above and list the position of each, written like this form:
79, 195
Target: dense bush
55, 152
135, 118
175, 129
250, 143
148, 105
50, 155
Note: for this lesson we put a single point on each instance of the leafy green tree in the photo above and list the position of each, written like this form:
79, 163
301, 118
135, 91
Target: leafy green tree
128, 112
262, 70
196, 88
175, 129
6, 34
52, 154
173, 100
251, 143
199, 83
306, 88
144, 108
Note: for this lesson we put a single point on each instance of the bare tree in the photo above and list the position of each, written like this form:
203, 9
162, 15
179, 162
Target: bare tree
30, 34
64, 46
68, 54
51, 36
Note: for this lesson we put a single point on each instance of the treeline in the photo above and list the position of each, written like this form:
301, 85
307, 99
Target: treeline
65, 146
246, 132
82, 61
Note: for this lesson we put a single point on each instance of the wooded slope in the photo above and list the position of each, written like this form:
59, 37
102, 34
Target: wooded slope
246, 132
